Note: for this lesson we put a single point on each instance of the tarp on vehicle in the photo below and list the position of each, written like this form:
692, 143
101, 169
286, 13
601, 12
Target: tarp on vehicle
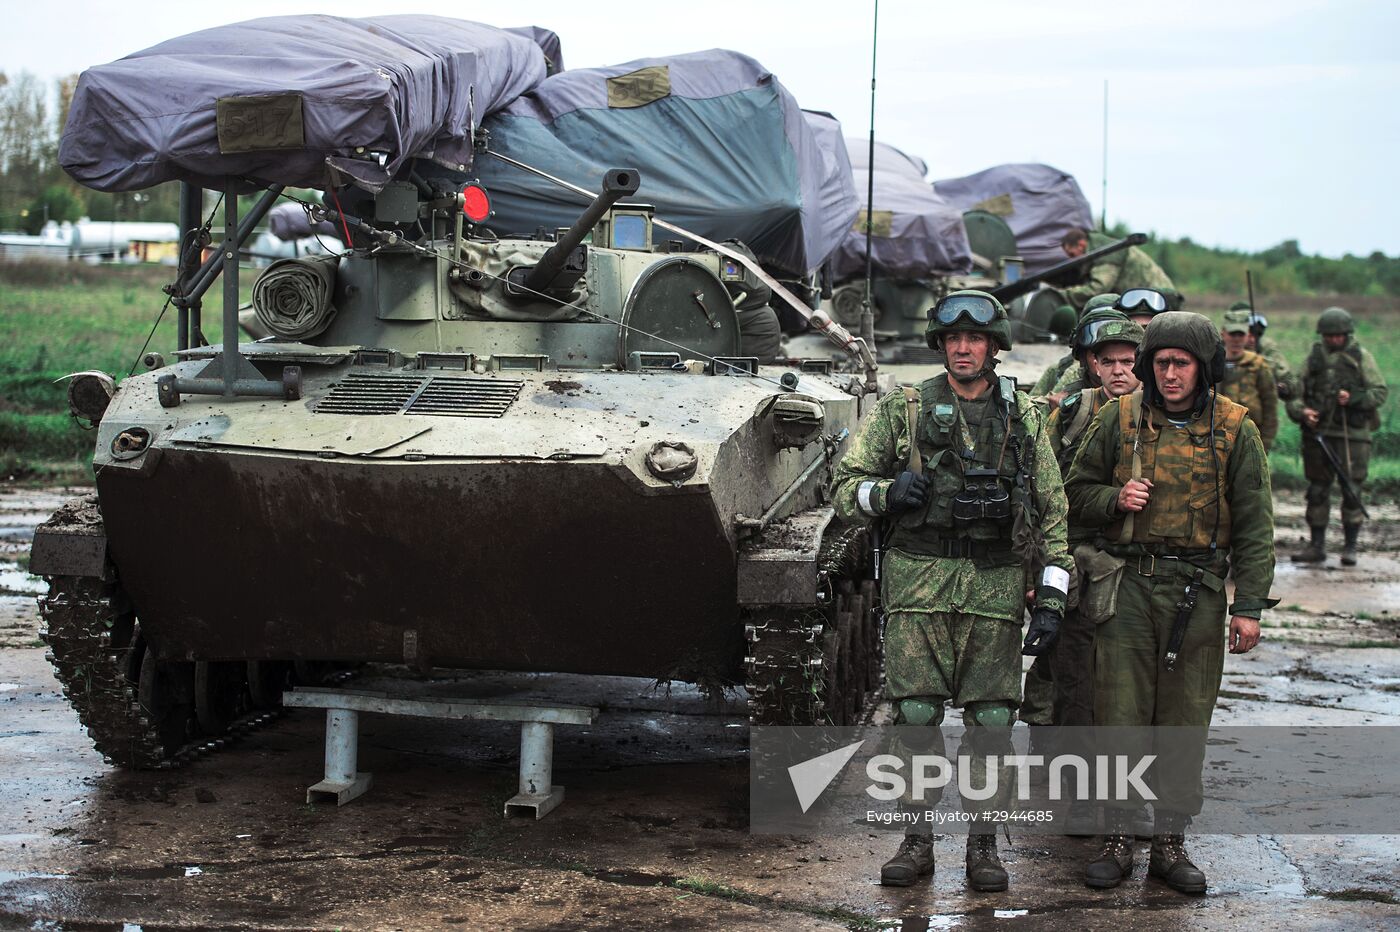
547, 40
722, 148
916, 233
1039, 202
279, 99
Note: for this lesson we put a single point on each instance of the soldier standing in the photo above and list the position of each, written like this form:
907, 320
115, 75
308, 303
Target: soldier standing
1264, 345
1176, 513
1249, 380
1119, 272
1340, 400
1059, 686
1070, 365
965, 502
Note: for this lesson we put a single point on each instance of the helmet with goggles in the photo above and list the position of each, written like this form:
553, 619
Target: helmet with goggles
968, 311
1116, 328
1142, 301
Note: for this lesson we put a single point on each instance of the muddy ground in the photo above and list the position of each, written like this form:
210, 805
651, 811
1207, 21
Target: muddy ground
653, 830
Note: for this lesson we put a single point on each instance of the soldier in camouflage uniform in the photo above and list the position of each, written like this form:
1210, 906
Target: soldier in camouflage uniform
970, 504
1070, 365
1341, 395
1249, 380
1285, 380
1119, 272
1176, 513
1059, 685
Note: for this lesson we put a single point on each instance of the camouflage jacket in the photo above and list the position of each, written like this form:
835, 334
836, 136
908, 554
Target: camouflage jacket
1285, 379
1327, 372
1130, 268
1250, 381
1067, 425
925, 584
1052, 374
1070, 381
1094, 482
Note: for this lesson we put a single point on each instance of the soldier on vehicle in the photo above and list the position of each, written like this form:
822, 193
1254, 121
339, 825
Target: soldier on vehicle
1176, 512
1119, 272
1339, 401
1249, 380
1285, 379
1059, 686
965, 503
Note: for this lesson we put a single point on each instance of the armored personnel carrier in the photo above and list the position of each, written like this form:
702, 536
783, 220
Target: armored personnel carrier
459, 450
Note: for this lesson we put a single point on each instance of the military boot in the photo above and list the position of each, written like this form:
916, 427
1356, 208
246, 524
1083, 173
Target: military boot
1115, 860
985, 873
1352, 532
1316, 551
913, 860
1169, 861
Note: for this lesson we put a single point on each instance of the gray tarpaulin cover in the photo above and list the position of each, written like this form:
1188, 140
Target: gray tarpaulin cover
916, 233
548, 41
321, 86
722, 148
1040, 204
288, 221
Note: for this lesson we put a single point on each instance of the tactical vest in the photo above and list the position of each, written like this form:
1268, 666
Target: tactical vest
949, 450
1188, 481
1329, 373
1241, 383
1076, 413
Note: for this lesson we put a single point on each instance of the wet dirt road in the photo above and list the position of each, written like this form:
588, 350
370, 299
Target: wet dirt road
653, 830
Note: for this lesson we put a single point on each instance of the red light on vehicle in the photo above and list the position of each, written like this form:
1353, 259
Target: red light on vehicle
475, 204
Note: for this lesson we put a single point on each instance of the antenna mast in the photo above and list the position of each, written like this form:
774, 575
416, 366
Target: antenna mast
1103, 217
867, 313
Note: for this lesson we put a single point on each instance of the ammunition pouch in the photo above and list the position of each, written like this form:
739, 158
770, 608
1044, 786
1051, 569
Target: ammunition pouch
1100, 574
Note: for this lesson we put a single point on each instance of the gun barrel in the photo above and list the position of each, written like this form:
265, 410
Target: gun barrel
1028, 284
617, 183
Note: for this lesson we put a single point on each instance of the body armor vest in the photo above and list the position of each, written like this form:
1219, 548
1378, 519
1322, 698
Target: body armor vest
1241, 382
1187, 503
978, 483
1329, 373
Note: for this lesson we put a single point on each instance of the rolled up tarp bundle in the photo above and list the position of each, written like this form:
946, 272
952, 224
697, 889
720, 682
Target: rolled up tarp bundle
292, 297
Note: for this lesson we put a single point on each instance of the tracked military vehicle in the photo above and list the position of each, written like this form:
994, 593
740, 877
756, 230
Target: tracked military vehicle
458, 451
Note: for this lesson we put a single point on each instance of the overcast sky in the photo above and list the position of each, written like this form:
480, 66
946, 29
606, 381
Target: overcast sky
1239, 123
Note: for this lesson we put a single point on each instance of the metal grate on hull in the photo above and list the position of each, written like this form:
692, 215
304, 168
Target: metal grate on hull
442, 396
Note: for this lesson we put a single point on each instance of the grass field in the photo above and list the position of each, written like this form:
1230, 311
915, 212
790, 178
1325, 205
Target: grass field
61, 318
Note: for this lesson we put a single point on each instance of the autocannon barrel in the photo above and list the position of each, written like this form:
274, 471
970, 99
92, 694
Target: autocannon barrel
617, 183
1028, 284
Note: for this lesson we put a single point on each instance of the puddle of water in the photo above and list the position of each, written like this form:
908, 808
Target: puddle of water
12, 876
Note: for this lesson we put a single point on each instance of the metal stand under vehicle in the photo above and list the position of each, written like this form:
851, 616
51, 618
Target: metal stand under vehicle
343, 782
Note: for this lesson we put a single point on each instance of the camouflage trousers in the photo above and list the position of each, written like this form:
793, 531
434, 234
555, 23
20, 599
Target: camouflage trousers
1321, 477
971, 660
1132, 687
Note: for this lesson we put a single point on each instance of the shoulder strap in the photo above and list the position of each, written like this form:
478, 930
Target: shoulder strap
1134, 416
1083, 414
911, 409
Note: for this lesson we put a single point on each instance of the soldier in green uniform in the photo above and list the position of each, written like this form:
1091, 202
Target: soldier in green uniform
1176, 514
1249, 380
1285, 379
1340, 399
970, 503
1070, 365
1059, 685
1119, 272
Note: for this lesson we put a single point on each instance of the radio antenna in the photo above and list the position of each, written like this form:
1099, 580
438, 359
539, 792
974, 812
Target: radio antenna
1103, 217
867, 312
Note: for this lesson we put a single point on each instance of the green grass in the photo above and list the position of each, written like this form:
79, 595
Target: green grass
57, 318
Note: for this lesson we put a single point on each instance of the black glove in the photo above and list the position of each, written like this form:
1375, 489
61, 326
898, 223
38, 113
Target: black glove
1044, 630
910, 490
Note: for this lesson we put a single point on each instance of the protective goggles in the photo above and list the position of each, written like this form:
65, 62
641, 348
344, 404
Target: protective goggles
1142, 301
977, 308
1089, 333
1258, 322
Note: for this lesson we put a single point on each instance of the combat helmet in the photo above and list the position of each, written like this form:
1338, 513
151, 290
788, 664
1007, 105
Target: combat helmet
1096, 310
1182, 330
1335, 320
970, 311
1112, 327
